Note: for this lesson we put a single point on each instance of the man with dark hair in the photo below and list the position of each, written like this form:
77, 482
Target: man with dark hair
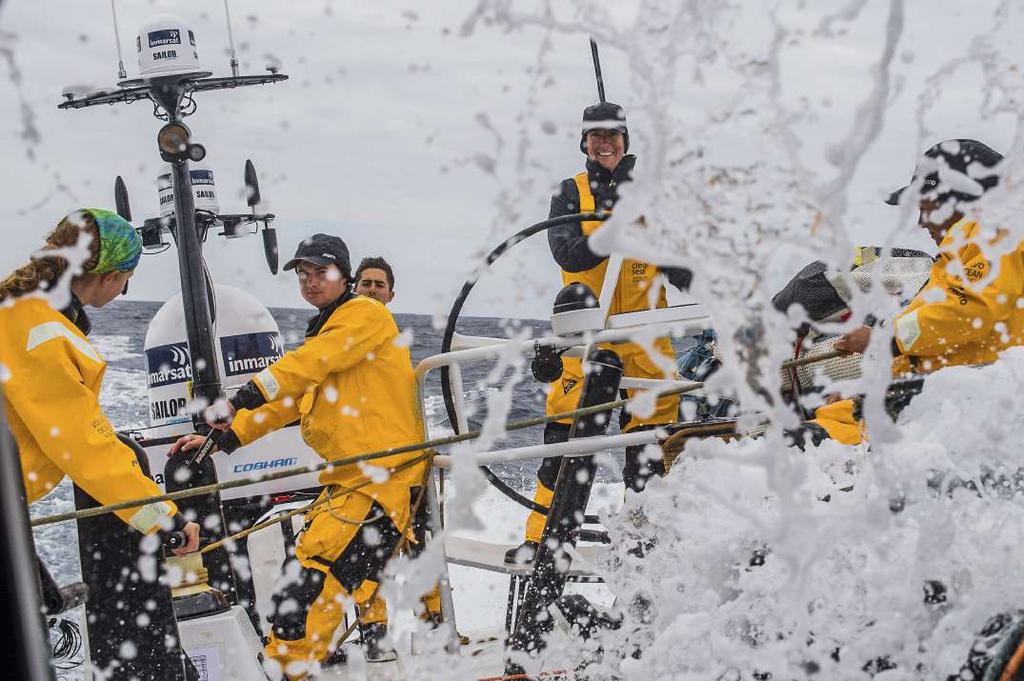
351, 386
375, 279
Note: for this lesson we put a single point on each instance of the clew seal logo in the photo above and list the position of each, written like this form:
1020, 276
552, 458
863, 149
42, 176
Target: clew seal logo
249, 353
167, 364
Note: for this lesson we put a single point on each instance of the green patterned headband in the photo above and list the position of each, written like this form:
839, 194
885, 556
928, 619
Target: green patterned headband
120, 246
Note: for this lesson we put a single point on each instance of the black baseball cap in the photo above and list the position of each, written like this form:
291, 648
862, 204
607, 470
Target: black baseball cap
967, 162
323, 249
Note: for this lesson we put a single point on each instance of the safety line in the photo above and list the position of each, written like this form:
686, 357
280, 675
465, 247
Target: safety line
331, 465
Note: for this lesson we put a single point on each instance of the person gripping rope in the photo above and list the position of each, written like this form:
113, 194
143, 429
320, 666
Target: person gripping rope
949, 322
352, 387
52, 375
605, 141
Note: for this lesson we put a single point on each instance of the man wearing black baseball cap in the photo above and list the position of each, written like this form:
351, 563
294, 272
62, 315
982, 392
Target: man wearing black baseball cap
952, 321
324, 268
353, 390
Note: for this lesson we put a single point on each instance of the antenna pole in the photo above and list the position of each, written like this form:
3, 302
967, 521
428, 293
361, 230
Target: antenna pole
121, 73
597, 69
231, 41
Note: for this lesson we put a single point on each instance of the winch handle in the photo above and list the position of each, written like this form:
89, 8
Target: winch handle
211, 441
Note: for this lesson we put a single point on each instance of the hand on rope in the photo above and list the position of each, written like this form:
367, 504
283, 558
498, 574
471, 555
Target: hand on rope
854, 342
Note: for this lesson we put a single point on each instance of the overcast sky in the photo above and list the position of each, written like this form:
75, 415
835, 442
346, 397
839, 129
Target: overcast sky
403, 135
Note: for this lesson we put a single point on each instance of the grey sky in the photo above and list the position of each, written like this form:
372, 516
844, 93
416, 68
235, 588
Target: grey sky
404, 137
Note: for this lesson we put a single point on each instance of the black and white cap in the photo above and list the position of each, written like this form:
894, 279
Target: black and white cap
959, 169
323, 249
604, 116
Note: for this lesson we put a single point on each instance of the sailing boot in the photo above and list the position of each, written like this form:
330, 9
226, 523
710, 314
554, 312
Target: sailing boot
524, 553
375, 647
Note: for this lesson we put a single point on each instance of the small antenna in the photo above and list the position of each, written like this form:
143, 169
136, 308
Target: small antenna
597, 69
231, 41
121, 73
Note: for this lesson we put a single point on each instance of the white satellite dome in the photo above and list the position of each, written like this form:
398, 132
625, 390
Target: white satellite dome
167, 47
248, 340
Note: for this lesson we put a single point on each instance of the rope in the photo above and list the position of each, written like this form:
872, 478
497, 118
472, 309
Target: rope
331, 465
811, 359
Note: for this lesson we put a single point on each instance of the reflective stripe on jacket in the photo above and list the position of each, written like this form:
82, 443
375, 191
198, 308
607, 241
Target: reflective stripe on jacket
51, 378
353, 388
950, 323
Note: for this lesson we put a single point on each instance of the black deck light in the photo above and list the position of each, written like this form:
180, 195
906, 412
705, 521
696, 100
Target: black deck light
175, 143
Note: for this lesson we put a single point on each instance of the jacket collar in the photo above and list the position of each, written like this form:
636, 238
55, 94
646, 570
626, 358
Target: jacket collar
75, 314
317, 321
622, 173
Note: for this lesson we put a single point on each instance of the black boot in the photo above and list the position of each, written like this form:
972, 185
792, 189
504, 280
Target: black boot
374, 646
522, 554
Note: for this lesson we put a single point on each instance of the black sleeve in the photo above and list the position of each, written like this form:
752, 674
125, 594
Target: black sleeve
247, 397
680, 277
568, 244
229, 442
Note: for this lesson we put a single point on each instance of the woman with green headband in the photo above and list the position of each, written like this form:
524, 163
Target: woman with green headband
50, 375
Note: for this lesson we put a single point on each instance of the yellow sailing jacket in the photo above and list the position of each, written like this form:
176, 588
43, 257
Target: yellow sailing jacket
840, 421
51, 378
635, 277
948, 323
353, 388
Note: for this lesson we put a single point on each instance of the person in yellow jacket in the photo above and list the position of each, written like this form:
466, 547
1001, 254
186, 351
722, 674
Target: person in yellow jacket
951, 321
50, 375
605, 141
351, 386
375, 279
